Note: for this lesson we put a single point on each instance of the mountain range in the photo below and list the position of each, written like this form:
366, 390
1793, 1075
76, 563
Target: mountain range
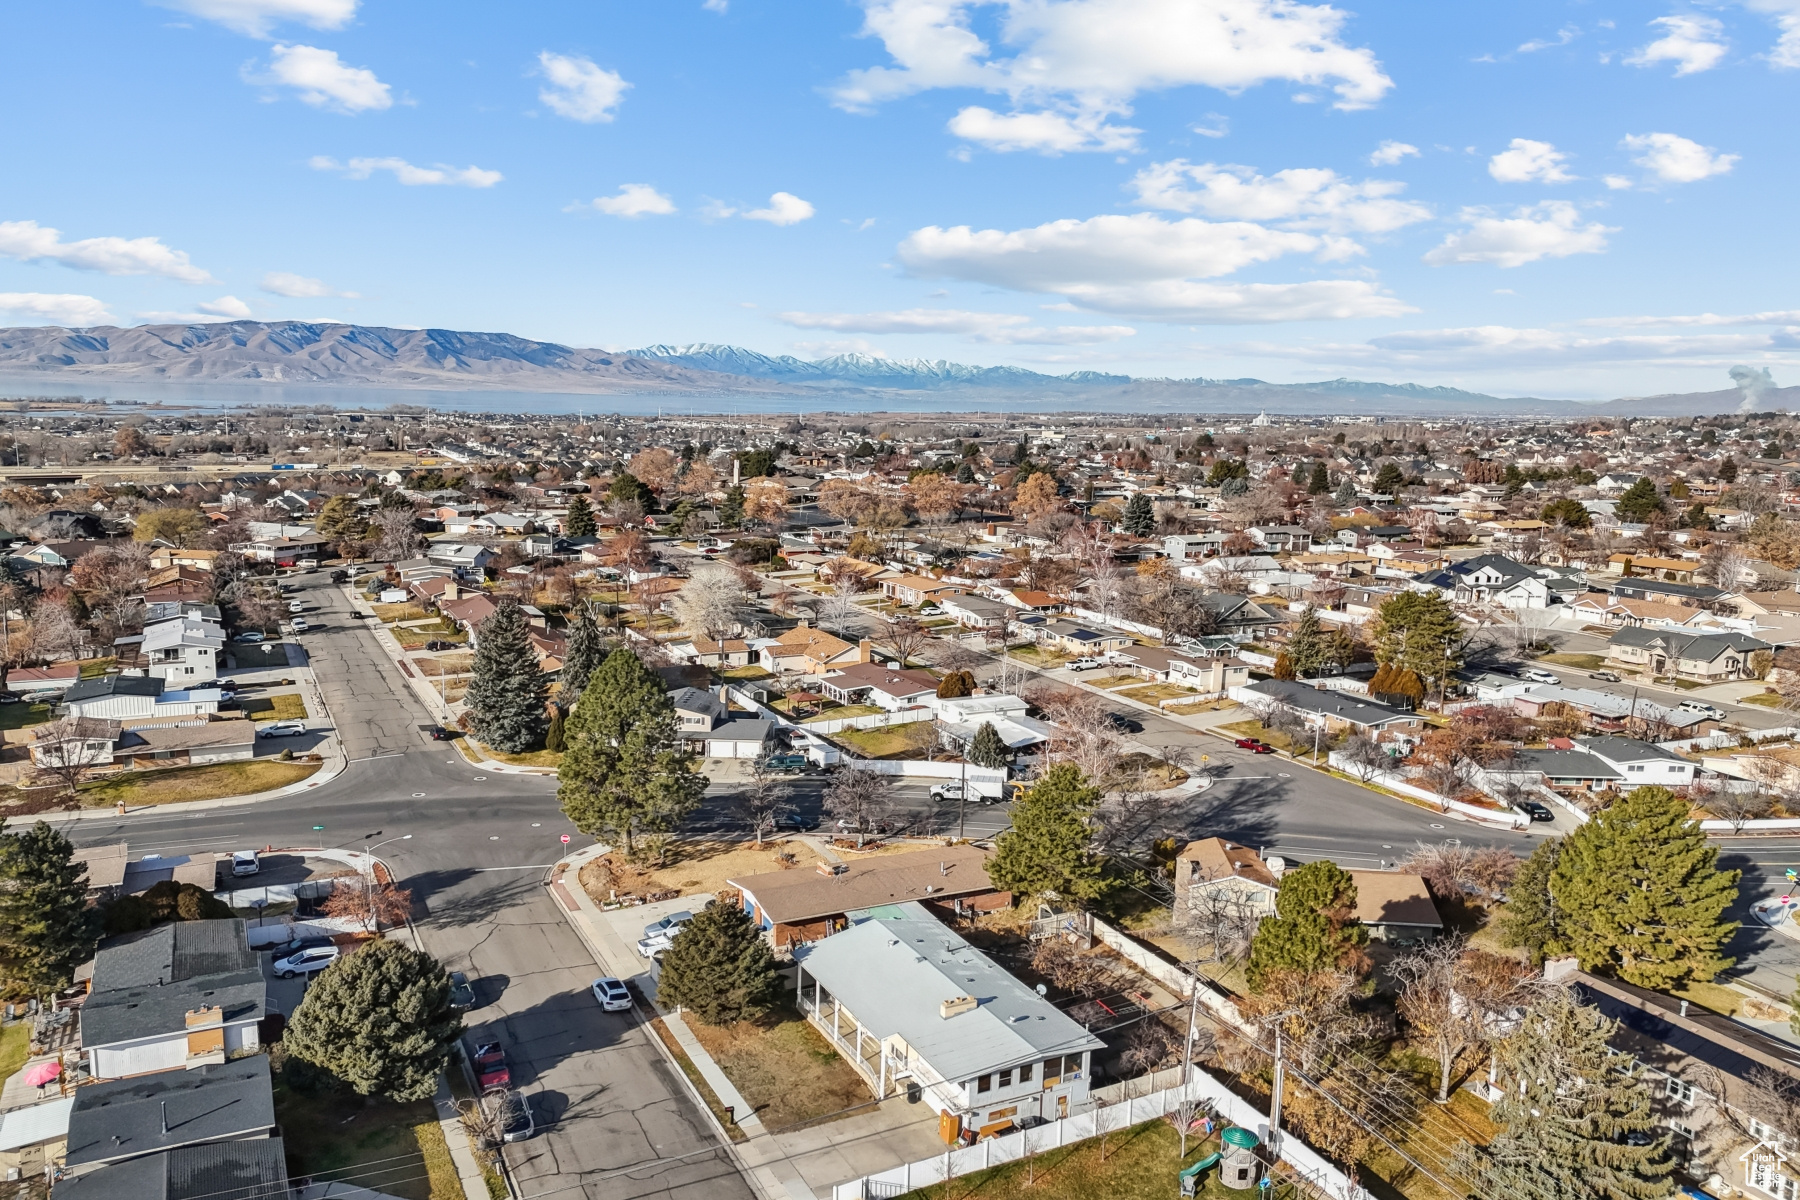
298, 353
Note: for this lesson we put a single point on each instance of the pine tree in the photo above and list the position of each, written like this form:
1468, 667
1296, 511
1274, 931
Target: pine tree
625, 769
1299, 475
1389, 480
579, 523
1306, 645
380, 1021
340, 518
1048, 847
581, 657
1320, 481
1419, 633
1345, 495
506, 693
1567, 1113
1314, 927
46, 926
1640, 501
1641, 896
1140, 516
1531, 919
628, 488
1728, 470
719, 967
554, 737
987, 748
965, 473
731, 512
1284, 667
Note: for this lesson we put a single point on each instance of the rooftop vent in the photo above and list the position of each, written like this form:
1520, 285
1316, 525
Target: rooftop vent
961, 1004
831, 868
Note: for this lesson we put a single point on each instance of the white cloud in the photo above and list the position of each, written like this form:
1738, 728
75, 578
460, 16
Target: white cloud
578, 89
1786, 13
1526, 161
1617, 183
1305, 198
28, 241
1564, 36
1692, 43
229, 307
717, 6
254, 18
1144, 265
785, 208
1219, 126
635, 200
1675, 159
1007, 329
1780, 316
299, 287
54, 309
407, 173
1389, 153
1045, 132
323, 80
1552, 229
1086, 60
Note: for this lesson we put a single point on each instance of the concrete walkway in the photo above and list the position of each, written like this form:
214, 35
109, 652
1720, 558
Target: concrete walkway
457, 1138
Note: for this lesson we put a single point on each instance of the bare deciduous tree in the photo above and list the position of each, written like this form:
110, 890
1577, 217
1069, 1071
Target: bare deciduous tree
905, 637
765, 798
707, 605
862, 801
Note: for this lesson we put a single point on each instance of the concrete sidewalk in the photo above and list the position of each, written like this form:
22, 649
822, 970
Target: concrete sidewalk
468, 1170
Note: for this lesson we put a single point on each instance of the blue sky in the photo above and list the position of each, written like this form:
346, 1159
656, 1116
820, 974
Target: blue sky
1562, 199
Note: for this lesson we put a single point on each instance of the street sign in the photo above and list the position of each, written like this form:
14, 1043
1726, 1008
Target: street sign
317, 828
565, 839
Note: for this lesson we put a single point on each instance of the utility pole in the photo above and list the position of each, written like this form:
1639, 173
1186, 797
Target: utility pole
1275, 1100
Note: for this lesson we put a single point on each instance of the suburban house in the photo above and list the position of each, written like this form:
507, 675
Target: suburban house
468, 559
977, 612
1192, 547
469, 611
795, 907
731, 652
1705, 657
180, 995
58, 677
123, 1119
1392, 905
914, 590
709, 727
173, 556
910, 1004
183, 651
960, 718
246, 1170
1609, 712
809, 651
1328, 709
1281, 539
181, 742
1496, 579
34, 1137
886, 687
1715, 1084
1081, 641
283, 551
122, 697
1675, 570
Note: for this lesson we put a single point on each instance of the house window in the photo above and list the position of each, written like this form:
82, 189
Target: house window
984, 1084
1072, 1064
1635, 768
1765, 1174
1006, 1078
1679, 1090
1025, 1073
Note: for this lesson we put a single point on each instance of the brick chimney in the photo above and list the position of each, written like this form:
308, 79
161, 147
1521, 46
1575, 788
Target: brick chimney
865, 651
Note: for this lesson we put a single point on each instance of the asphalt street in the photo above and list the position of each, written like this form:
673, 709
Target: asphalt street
614, 1120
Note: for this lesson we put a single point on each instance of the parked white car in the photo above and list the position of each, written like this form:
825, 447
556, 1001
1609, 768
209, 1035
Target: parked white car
295, 606
307, 962
1085, 664
660, 935
1537, 675
1703, 709
282, 729
300, 625
245, 862
613, 995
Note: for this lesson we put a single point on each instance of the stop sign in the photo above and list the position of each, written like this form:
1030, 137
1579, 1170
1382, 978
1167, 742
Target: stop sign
565, 838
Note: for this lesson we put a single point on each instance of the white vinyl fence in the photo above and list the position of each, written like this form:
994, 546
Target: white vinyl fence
1398, 783
1118, 1107
906, 716
1725, 741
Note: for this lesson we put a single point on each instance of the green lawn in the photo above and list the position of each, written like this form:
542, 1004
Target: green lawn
1142, 1163
15, 1047
23, 716
177, 784
94, 668
1766, 699
848, 710
286, 707
398, 1149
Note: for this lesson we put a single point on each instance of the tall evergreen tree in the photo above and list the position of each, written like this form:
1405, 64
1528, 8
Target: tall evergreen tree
47, 928
1048, 847
965, 473
731, 511
1140, 516
1314, 927
1390, 479
1418, 633
1306, 645
719, 967
625, 769
380, 1021
1531, 919
1640, 501
1319, 483
628, 488
988, 749
1568, 1114
1345, 495
579, 523
506, 693
583, 655
1641, 896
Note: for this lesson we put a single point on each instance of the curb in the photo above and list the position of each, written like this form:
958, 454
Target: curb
326, 773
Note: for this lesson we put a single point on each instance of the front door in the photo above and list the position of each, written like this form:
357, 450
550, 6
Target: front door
1062, 1107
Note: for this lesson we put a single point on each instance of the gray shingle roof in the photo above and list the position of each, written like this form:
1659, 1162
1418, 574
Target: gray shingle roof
114, 685
128, 1118
254, 1170
144, 983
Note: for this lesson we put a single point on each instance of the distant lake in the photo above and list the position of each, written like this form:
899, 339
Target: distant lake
51, 389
